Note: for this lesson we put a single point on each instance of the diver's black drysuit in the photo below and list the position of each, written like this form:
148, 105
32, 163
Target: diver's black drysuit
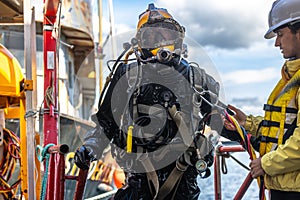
160, 104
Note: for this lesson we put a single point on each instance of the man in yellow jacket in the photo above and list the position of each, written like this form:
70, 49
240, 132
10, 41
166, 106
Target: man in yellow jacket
277, 133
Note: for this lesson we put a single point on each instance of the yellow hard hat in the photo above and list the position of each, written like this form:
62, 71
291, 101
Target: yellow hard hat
11, 76
157, 29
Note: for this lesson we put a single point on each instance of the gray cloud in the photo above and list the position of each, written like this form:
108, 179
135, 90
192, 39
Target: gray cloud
229, 25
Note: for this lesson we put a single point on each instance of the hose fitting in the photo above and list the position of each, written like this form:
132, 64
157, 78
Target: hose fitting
164, 55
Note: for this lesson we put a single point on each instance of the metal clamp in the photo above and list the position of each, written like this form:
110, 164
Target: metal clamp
28, 85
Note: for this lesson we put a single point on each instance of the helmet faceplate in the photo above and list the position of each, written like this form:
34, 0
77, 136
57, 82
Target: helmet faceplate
157, 29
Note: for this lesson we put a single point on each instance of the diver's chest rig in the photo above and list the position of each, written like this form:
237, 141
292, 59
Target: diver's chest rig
160, 124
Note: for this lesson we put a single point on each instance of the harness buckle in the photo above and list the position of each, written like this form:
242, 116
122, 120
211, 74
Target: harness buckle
265, 123
263, 139
267, 107
180, 166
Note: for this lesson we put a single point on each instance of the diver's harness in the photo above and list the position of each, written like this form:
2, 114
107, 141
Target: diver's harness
134, 79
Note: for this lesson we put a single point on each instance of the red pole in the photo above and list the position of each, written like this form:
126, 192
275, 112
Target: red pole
60, 176
244, 187
50, 117
217, 177
56, 184
51, 179
50, 76
235, 148
80, 186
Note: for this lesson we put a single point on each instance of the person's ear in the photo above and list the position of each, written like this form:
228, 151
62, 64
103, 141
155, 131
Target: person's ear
298, 34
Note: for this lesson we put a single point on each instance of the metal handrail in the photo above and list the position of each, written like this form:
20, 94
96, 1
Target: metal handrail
223, 150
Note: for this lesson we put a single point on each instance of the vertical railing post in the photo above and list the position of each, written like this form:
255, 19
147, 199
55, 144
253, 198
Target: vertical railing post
29, 184
217, 177
80, 185
50, 113
57, 164
222, 150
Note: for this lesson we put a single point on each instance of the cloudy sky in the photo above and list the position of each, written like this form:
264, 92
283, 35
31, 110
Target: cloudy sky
230, 32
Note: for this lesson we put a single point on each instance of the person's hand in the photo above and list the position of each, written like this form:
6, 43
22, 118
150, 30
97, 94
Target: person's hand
256, 168
83, 157
239, 115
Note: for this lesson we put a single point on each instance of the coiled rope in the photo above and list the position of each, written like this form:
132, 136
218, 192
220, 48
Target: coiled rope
246, 139
10, 158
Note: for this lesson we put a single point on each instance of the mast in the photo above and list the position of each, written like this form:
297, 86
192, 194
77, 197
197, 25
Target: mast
98, 60
101, 46
29, 186
51, 113
112, 29
99, 52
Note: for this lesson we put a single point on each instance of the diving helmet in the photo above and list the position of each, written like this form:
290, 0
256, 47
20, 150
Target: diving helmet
283, 12
157, 29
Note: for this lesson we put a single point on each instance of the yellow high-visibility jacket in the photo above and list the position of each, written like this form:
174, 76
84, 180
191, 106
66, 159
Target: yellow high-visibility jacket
280, 158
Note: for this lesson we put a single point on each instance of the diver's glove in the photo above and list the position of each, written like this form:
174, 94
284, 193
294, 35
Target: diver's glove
83, 157
231, 135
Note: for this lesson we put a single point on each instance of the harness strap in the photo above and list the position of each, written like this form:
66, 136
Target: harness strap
271, 108
268, 139
290, 131
175, 176
173, 179
182, 127
286, 136
152, 178
269, 123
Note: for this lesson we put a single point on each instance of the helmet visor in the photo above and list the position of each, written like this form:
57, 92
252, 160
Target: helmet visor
157, 35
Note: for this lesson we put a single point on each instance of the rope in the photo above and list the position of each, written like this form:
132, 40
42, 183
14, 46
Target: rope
45, 155
245, 138
30, 113
49, 96
239, 162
